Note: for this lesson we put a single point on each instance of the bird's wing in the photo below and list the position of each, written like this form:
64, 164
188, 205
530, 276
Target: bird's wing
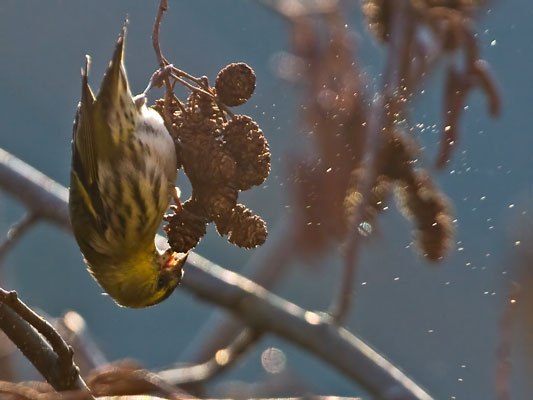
84, 150
115, 111
103, 127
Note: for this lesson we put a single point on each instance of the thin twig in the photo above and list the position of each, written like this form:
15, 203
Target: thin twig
169, 88
163, 6
265, 312
382, 115
189, 86
178, 74
16, 231
223, 359
456, 27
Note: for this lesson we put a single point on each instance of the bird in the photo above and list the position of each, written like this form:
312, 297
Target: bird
122, 180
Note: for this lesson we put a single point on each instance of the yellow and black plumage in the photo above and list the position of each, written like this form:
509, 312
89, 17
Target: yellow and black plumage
122, 180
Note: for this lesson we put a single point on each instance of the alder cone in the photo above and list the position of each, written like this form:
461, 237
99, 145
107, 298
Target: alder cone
245, 141
185, 227
243, 228
235, 84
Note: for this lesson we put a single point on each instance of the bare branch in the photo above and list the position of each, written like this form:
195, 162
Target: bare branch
382, 115
16, 231
53, 357
32, 345
223, 359
40, 194
163, 6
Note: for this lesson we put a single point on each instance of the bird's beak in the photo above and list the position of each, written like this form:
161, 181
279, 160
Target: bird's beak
178, 263
173, 261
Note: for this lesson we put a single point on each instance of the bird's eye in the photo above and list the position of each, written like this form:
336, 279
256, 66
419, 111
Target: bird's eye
161, 283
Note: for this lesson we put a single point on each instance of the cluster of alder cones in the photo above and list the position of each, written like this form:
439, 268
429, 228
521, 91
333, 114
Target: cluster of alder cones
222, 154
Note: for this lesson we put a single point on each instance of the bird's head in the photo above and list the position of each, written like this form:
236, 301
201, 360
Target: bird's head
143, 281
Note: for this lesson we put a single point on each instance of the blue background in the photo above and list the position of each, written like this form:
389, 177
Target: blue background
440, 324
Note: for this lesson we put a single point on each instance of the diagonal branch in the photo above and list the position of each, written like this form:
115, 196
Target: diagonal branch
41, 195
254, 305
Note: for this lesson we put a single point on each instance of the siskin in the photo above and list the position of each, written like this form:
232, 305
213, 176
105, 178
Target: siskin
122, 180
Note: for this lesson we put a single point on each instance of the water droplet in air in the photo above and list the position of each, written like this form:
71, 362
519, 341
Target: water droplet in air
365, 228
